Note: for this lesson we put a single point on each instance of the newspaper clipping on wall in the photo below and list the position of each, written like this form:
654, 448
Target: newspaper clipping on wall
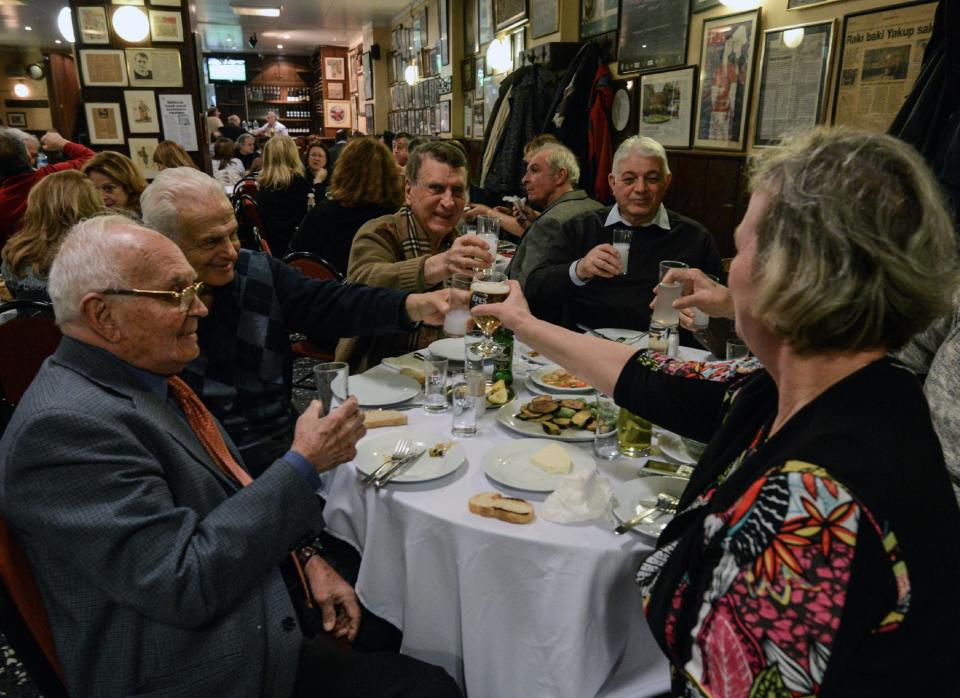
882, 55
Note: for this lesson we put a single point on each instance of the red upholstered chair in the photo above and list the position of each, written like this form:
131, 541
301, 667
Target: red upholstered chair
246, 185
316, 267
251, 223
26, 339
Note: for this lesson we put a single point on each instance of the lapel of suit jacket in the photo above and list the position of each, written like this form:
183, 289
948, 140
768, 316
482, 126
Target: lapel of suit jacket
113, 377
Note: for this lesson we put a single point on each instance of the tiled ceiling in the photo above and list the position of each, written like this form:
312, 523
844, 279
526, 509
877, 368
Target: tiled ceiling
301, 27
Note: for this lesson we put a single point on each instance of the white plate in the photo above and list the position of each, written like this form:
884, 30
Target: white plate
509, 464
615, 333
537, 378
373, 450
680, 449
404, 361
386, 388
642, 492
525, 351
448, 348
505, 415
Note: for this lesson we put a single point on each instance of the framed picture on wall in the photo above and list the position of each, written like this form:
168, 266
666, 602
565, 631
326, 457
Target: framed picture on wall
518, 45
336, 113
727, 51
445, 117
443, 14
485, 21
800, 4
17, 119
335, 90
467, 74
701, 5
154, 67
166, 3
544, 18
141, 108
598, 17
794, 71
352, 72
103, 123
509, 12
333, 68
367, 76
666, 106
166, 26
141, 152
103, 68
652, 35
471, 36
92, 22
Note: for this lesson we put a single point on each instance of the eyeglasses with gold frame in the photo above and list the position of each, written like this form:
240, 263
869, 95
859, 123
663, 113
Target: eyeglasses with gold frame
184, 297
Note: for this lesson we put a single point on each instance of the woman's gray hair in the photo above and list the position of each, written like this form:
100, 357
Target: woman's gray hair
242, 137
856, 249
560, 157
173, 191
86, 262
644, 146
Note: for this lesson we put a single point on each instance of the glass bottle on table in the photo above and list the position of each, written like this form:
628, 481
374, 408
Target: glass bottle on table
503, 360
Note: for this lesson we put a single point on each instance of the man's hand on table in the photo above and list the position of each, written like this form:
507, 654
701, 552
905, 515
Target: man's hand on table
336, 599
329, 441
428, 308
602, 260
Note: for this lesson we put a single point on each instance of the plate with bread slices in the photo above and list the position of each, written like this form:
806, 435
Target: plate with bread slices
494, 505
441, 454
537, 465
561, 417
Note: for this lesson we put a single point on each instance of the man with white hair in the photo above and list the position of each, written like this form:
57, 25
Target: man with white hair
550, 181
581, 279
157, 557
272, 127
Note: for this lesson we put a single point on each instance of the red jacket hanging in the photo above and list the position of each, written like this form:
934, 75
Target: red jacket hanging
600, 153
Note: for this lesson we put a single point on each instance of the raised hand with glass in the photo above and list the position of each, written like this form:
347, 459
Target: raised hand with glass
488, 287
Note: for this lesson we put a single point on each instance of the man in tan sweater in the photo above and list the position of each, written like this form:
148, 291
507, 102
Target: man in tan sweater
416, 248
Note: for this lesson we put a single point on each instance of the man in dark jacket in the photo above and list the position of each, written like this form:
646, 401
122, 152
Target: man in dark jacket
340, 139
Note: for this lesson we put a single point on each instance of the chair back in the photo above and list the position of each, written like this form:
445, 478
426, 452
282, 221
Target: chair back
26, 339
23, 617
314, 266
251, 223
246, 186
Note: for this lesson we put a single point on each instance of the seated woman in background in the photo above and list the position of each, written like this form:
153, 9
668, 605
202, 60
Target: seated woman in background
227, 168
814, 550
316, 158
283, 192
54, 205
171, 154
364, 186
118, 180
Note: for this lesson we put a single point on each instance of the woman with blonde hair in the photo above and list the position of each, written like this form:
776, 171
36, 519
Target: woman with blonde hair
283, 192
171, 154
227, 168
118, 180
54, 205
364, 186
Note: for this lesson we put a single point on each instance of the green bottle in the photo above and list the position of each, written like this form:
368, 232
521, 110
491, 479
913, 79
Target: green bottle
503, 360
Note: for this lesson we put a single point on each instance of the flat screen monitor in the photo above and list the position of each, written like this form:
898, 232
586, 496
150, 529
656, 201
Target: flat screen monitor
227, 69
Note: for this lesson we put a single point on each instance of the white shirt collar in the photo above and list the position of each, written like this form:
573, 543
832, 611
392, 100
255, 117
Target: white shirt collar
661, 220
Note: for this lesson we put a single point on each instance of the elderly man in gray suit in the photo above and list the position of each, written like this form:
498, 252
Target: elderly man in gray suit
157, 558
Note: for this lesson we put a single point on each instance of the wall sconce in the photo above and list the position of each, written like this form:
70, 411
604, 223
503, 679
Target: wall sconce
21, 90
410, 74
65, 24
131, 23
499, 57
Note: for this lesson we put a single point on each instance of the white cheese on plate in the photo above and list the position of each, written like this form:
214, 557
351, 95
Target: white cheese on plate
552, 459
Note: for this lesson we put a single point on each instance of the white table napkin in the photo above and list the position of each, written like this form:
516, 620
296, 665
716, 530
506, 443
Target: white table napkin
582, 496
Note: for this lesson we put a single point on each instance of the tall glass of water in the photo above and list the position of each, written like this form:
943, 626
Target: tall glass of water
331, 385
663, 311
621, 243
488, 287
488, 230
605, 443
457, 320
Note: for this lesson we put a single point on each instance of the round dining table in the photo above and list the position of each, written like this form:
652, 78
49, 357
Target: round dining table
542, 609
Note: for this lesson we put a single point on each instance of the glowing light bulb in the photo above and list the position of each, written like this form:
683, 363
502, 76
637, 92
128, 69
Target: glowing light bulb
793, 37
410, 74
65, 24
21, 90
131, 23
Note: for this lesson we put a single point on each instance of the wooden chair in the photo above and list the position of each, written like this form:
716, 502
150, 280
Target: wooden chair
316, 267
26, 339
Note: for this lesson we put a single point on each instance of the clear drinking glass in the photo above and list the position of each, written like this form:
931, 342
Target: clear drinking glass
434, 385
457, 319
465, 399
633, 434
472, 358
605, 443
332, 384
663, 311
488, 230
488, 287
736, 350
621, 243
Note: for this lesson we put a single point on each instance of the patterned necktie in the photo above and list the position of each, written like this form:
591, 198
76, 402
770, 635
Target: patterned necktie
204, 426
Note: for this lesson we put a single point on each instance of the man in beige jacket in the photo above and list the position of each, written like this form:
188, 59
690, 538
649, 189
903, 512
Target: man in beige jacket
416, 248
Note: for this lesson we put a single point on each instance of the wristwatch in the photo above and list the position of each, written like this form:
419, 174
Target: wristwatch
305, 552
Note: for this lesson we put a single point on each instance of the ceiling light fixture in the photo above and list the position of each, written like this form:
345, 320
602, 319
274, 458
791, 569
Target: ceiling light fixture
256, 11
21, 90
131, 23
28, 28
65, 24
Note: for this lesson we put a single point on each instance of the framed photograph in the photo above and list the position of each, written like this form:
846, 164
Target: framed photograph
166, 26
544, 18
468, 74
141, 152
878, 69
701, 5
443, 17
598, 17
103, 68
652, 35
478, 125
368, 115
666, 106
92, 22
166, 3
127, 2
17, 119
103, 123
794, 71
727, 51
352, 73
333, 68
367, 76
800, 4
335, 90
445, 117
509, 12
154, 67
336, 113
468, 116
481, 72
485, 21
471, 35
141, 107
419, 30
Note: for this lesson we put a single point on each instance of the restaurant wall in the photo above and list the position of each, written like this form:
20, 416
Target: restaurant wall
13, 69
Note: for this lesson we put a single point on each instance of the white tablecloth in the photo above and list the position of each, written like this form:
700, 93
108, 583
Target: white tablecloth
508, 610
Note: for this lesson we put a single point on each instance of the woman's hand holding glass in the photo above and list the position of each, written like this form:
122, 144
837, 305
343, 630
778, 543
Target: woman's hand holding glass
699, 291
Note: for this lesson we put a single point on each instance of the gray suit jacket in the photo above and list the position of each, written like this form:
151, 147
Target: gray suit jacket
159, 575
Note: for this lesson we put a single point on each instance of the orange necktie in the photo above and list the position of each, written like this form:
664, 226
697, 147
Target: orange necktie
204, 426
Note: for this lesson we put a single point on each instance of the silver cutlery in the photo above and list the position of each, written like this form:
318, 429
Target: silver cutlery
587, 330
400, 451
397, 468
666, 504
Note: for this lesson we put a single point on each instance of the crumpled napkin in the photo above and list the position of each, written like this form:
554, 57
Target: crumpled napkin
582, 496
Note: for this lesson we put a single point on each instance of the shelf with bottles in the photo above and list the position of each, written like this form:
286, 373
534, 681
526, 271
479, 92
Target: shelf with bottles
276, 94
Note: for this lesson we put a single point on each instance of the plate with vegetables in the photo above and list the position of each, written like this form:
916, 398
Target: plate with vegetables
560, 417
557, 380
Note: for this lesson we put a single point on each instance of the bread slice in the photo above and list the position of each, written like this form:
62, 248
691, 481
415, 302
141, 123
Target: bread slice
413, 373
495, 505
383, 418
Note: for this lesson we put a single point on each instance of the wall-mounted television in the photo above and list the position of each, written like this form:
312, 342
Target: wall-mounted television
227, 69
